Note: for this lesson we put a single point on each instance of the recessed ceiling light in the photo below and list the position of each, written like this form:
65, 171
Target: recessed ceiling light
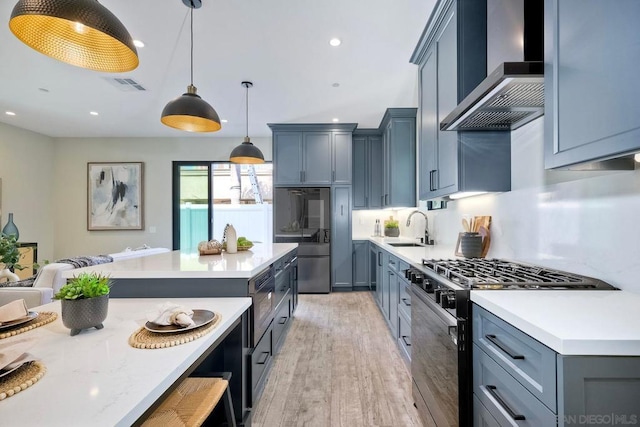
93, 113
335, 119
138, 43
335, 42
10, 113
224, 120
336, 85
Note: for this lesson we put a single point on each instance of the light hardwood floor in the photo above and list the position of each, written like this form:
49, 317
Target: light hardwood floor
338, 366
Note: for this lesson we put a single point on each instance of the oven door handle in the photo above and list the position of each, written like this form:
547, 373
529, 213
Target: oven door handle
491, 389
512, 354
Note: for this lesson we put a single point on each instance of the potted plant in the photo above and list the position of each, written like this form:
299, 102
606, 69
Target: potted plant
9, 257
85, 300
391, 228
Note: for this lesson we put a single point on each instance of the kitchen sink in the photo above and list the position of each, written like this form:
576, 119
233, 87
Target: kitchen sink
406, 244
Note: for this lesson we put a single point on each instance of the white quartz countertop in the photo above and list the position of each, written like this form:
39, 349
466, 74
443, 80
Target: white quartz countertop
571, 322
183, 264
414, 254
96, 378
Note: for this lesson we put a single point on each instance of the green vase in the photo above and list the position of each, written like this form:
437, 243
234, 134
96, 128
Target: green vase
10, 228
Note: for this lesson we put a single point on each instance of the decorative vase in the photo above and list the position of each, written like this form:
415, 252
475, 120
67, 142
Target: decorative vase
9, 275
231, 238
10, 228
79, 314
392, 231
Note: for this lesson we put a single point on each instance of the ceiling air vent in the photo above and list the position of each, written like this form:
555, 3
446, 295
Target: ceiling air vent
125, 85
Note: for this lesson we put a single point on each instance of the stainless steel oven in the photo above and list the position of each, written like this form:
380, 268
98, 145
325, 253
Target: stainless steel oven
261, 290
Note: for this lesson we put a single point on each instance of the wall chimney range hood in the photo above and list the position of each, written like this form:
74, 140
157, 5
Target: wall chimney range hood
511, 96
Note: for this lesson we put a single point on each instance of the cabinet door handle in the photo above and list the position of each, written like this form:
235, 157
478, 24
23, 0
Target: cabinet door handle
404, 300
283, 320
492, 391
406, 342
366, 201
341, 210
263, 358
333, 176
301, 177
432, 186
386, 199
379, 259
503, 347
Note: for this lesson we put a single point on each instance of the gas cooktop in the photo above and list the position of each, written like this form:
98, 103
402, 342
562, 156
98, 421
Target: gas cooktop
478, 273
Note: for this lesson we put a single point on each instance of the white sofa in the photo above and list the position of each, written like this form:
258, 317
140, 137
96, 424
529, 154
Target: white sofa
49, 279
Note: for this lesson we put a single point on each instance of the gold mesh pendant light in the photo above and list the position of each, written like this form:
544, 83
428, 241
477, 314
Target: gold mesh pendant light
79, 32
189, 112
246, 153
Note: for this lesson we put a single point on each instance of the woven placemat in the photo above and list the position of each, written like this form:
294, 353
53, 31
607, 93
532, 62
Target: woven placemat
21, 379
143, 338
43, 318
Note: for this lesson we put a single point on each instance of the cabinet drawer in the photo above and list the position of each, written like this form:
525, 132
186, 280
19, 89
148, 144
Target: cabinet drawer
527, 360
259, 362
404, 304
402, 267
481, 416
281, 320
393, 263
404, 334
504, 397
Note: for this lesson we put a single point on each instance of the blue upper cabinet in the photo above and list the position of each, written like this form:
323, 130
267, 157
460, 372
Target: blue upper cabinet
312, 154
452, 60
592, 95
367, 173
399, 157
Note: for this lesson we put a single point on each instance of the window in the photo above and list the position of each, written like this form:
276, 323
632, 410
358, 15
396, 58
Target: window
209, 195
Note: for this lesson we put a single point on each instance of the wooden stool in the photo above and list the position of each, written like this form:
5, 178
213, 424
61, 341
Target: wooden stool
192, 402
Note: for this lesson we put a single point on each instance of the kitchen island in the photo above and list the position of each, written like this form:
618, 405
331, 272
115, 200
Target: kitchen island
96, 378
267, 273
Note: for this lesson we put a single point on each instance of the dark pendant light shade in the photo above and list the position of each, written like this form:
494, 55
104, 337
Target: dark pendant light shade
79, 32
246, 153
189, 112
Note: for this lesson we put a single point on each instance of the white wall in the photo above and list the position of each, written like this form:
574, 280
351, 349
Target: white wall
585, 223
27, 172
71, 157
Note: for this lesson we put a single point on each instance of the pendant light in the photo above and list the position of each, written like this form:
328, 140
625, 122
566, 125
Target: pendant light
246, 152
189, 112
79, 32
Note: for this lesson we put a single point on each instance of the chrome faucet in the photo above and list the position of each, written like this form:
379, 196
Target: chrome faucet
426, 241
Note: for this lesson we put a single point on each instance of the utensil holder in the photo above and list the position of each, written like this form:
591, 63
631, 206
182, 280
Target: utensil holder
469, 245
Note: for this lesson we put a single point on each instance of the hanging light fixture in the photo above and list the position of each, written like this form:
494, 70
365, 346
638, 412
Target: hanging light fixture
188, 111
246, 152
79, 32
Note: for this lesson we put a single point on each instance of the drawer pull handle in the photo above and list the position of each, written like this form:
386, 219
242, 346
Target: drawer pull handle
492, 391
406, 342
404, 300
283, 320
263, 358
503, 347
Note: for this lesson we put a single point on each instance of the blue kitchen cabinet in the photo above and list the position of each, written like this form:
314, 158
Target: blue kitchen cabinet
367, 169
361, 265
341, 243
312, 154
399, 157
592, 98
452, 60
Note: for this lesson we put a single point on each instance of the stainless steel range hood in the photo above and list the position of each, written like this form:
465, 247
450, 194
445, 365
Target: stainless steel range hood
511, 96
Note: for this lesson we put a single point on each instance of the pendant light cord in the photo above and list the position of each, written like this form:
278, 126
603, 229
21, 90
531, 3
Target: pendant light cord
192, 46
247, 112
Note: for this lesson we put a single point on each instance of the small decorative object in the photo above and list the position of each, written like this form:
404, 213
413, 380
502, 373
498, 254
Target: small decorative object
10, 228
211, 247
231, 239
85, 301
115, 196
9, 257
391, 227
244, 244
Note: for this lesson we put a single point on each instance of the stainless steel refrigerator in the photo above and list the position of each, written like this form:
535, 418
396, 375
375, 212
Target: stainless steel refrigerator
303, 215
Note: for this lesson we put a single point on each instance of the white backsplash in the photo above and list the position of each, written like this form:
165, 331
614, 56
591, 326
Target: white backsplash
586, 223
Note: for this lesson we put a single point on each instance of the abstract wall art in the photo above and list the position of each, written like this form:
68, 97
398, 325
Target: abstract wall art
115, 196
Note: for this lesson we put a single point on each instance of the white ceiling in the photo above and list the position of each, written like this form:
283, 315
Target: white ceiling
280, 45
